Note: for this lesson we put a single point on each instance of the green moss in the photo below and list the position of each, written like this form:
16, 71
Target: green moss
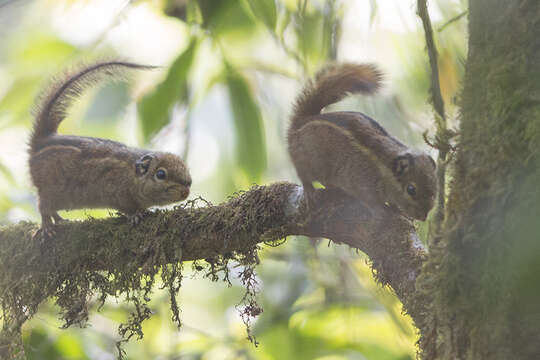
478, 312
108, 258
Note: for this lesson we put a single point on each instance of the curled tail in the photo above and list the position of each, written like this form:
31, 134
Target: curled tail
54, 103
332, 84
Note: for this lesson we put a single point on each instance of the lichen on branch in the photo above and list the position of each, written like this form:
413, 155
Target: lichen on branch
109, 258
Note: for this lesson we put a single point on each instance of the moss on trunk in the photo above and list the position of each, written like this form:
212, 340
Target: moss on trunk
483, 271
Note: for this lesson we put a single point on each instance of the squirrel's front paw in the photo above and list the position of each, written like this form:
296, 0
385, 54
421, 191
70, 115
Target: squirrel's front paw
44, 233
137, 217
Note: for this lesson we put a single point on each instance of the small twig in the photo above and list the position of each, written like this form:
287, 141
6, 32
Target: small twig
441, 142
269, 69
452, 20
430, 143
438, 105
438, 102
288, 51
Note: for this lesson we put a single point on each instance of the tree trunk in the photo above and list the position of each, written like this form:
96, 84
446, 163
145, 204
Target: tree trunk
483, 269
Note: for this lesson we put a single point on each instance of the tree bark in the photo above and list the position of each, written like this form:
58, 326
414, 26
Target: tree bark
483, 268
109, 257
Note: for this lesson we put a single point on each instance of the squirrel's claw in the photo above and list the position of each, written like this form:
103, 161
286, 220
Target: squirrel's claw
137, 217
45, 233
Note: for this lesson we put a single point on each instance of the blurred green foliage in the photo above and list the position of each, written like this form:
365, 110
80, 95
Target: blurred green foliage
264, 10
251, 147
155, 108
232, 68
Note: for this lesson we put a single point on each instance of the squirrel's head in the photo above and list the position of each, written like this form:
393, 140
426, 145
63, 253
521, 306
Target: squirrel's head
163, 179
414, 194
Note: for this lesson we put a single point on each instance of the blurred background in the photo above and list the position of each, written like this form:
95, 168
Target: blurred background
230, 72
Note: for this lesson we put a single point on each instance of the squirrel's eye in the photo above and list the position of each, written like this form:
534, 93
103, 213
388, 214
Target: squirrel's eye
411, 189
161, 174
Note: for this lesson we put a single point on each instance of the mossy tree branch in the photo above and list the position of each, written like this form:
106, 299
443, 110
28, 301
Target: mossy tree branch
86, 255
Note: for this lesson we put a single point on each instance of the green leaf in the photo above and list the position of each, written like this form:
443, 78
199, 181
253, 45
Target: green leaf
313, 38
225, 16
29, 58
193, 13
154, 108
250, 142
264, 10
18, 101
210, 9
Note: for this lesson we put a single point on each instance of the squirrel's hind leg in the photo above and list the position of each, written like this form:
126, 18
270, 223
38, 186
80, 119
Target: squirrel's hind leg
57, 218
47, 229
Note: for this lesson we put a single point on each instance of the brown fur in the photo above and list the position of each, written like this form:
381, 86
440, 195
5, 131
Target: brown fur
350, 151
75, 172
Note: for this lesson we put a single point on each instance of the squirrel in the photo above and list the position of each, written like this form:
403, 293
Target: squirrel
352, 152
76, 172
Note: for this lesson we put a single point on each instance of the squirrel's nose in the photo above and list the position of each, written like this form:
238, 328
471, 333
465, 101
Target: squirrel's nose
185, 193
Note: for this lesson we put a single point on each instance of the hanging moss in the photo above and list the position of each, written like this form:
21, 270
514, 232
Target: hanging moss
108, 258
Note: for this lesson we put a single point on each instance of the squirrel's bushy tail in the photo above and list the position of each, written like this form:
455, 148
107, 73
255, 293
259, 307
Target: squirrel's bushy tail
330, 85
54, 102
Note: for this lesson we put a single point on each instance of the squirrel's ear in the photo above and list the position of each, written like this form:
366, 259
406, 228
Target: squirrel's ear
402, 164
143, 164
